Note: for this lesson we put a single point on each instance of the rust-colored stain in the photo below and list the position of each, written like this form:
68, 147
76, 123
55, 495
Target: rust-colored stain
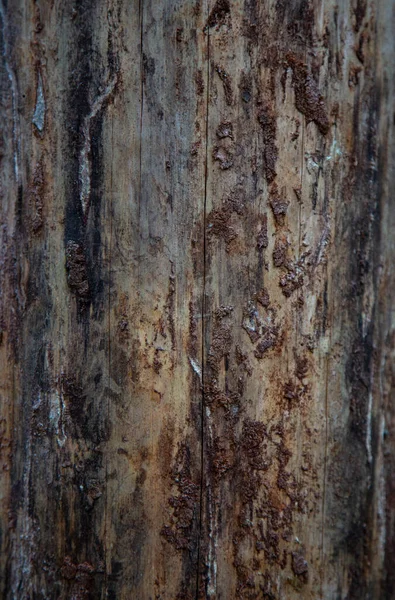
37, 191
77, 270
308, 99
219, 13
227, 84
183, 504
267, 122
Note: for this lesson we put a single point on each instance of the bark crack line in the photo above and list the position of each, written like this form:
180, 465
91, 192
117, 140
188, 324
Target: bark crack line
202, 439
141, 15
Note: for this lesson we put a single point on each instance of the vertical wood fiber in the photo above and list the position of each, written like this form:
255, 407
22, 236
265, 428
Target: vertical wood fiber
196, 305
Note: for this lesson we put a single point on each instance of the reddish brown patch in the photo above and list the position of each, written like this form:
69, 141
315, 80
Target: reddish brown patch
219, 13
299, 565
223, 156
123, 328
199, 83
290, 282
252, 323
195, 148
268, 340
280, 252
364, 39
308, 99
225, 130
267, 121
77, 272
219, 220
252, 438
301, 369
193, 331
227, 83
220, 460
170, 307
262, 240
360, 13
353, 75
295, 134
184, 503
242, 359
292, 392
81, 576
221, 342
298, 194
263, 297
157, 365
36, 193
279, 205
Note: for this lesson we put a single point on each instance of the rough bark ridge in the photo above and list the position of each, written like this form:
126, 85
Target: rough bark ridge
196, 309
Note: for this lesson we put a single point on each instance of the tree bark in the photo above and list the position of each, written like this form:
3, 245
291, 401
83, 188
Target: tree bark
197, 299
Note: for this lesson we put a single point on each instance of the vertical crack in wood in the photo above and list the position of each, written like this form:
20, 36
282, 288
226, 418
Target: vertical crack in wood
202, 439
140, 132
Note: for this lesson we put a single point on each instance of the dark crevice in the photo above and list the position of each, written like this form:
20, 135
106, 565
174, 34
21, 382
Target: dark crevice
202, 439
141, 124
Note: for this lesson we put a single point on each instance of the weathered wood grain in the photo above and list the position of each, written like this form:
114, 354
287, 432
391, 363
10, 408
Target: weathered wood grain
197, 333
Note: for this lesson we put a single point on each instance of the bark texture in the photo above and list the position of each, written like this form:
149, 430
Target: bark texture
197, 299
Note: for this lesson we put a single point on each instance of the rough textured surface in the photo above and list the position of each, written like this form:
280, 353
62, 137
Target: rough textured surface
196, 300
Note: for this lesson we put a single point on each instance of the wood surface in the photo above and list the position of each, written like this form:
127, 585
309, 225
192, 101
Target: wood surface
197, 299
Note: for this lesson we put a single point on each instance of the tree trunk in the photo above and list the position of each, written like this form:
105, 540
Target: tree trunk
197, 299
